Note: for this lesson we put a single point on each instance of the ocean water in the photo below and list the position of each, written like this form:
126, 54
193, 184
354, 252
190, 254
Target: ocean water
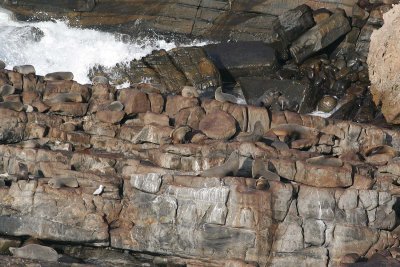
55, 46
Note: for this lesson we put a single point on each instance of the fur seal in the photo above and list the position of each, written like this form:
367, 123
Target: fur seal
254, 136
178, 134
23, 173
189, 91
64, 97
16, 106
63, 182
115, 106
100, 80
59, 76
262, 183
35, 252
325, 161
25, 69
7, 89
223, 97
231, 166
258, 169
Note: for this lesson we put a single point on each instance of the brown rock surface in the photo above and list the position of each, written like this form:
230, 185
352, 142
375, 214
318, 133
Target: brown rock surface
218, 125
384, 66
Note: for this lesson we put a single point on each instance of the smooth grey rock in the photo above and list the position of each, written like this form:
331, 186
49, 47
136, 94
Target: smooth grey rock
320, 36
314, 232
316, 203
149, 182
25, 69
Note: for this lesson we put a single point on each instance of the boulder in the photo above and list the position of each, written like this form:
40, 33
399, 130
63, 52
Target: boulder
218, 125
384, 66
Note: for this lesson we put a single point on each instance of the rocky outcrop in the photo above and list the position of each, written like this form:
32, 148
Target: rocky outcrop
307, 190
236, 19
384, 66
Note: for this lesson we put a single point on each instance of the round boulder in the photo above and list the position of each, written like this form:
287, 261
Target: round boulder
218, 125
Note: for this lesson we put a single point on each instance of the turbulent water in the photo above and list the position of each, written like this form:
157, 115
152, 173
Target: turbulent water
55, 46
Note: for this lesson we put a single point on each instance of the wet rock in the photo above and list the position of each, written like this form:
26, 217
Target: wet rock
279, 94
320, 36
218, 125
160, 61
293, 23
99, 80
198, 69
242, 59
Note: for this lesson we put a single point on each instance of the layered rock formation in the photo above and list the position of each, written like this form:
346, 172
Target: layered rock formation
306, 191
219, 19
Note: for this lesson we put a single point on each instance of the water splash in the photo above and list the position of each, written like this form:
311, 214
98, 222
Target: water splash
55, 46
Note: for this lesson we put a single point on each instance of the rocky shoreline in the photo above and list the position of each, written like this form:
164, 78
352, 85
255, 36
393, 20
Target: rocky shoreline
205, 156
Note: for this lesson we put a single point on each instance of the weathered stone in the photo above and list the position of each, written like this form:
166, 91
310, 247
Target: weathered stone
109, 116
314, 232
383, 67
176, 103
134, 101
320, 36
316, 203
198, 69
70, 109
218, 125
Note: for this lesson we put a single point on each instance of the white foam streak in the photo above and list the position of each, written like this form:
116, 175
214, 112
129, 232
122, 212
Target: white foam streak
64, 48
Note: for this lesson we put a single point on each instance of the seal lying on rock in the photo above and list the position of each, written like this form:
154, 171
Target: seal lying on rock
254, 136
35, 252
189, 91
100, 80
7, 89
59, 76
223, 97
230, 167
178, 135
258, 169
63, 182
16, 106
25, 69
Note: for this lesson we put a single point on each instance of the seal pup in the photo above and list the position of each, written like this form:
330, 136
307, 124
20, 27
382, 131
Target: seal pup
231, 166
35, 252
258, 169
189, 91
223, 97
254, 136
63, 182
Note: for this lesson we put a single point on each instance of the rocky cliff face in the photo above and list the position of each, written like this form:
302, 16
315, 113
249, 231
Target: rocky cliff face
134, 170
216, 19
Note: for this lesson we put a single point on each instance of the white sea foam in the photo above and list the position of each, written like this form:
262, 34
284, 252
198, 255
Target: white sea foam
65, 48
